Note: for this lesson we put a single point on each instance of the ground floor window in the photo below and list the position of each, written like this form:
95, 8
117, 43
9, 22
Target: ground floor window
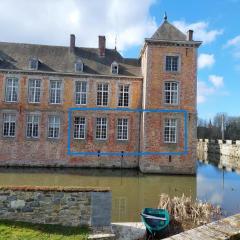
122, 129
79, 127
101, 128
53, 126
170, 130
9, 125
33, 126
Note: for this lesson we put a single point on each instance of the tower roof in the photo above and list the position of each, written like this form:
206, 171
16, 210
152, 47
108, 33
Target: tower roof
168, 32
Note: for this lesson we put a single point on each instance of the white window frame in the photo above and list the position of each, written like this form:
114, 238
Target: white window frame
54, 123
9, 119
171, 92
80, 95
101, 132
12, 89
122, 129
123, 95
102, 94
34, 120
35, 96
35, 62
79, 130
170, 130
172, 65
53, 92
78, 66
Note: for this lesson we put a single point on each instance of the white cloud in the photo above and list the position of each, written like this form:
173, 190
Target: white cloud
51, 22
201, 30
205, 60
234, 43
203, 91
210, 88
217, 81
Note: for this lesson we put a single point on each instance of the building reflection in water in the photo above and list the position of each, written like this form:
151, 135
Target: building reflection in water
131, 190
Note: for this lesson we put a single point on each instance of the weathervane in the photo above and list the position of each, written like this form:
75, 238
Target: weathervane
165, 16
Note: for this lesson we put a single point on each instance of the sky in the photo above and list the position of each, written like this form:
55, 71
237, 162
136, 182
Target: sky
126, 23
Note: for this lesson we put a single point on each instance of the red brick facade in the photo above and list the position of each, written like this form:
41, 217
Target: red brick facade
145, 129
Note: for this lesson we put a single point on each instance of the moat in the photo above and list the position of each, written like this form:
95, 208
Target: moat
132, 190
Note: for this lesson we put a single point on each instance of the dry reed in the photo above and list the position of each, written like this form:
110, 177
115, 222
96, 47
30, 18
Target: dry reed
190, 213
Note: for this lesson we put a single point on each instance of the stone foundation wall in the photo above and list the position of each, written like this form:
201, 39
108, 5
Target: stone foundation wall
223, 154
64, 206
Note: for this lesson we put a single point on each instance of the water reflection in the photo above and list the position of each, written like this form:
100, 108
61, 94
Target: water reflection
131, 190
219, 187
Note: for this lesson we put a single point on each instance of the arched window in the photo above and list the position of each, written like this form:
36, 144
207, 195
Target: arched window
33, 63
79, 66
114, 68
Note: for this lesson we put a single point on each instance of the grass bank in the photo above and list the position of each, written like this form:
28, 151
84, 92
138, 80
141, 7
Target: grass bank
11, 230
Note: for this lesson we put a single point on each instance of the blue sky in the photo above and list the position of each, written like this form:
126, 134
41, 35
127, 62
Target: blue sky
215, 22
219, 77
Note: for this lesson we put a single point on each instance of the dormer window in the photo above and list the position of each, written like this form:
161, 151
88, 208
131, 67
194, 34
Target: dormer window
33, 64
79, 66
114, 68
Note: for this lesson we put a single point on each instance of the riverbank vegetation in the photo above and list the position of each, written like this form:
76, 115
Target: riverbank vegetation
25, 231
186, 213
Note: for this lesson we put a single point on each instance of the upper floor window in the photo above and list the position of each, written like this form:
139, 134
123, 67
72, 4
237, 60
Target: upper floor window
123, 98
33, 126
34, 90
172, 63
79, 66
114, 68
53, 127
55, 91
101, 128
171, 93
79, 128
102, 94
81, 92
122, 129
11, 93
9, 125
170, 130
33, 64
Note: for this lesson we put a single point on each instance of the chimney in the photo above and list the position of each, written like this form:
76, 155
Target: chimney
72, 42
190, 35
101, 45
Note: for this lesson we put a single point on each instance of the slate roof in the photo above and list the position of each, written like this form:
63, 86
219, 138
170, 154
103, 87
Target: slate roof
168, 32
60, 59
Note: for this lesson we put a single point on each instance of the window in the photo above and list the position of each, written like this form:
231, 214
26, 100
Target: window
33, 126
171, 93
101, 128
79, 127
53, 127
79, 66
114, 68
11, 89
33, 64
172, 63
122, 129
102, 94
55, 91
81, 92
9, 125
170, 131
123, 99
34, 90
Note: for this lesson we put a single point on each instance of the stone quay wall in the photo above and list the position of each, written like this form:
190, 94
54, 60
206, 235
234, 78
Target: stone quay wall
49, 205
225, 154
227, 148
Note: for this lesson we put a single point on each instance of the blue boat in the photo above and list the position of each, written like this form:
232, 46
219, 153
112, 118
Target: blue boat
155, 220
